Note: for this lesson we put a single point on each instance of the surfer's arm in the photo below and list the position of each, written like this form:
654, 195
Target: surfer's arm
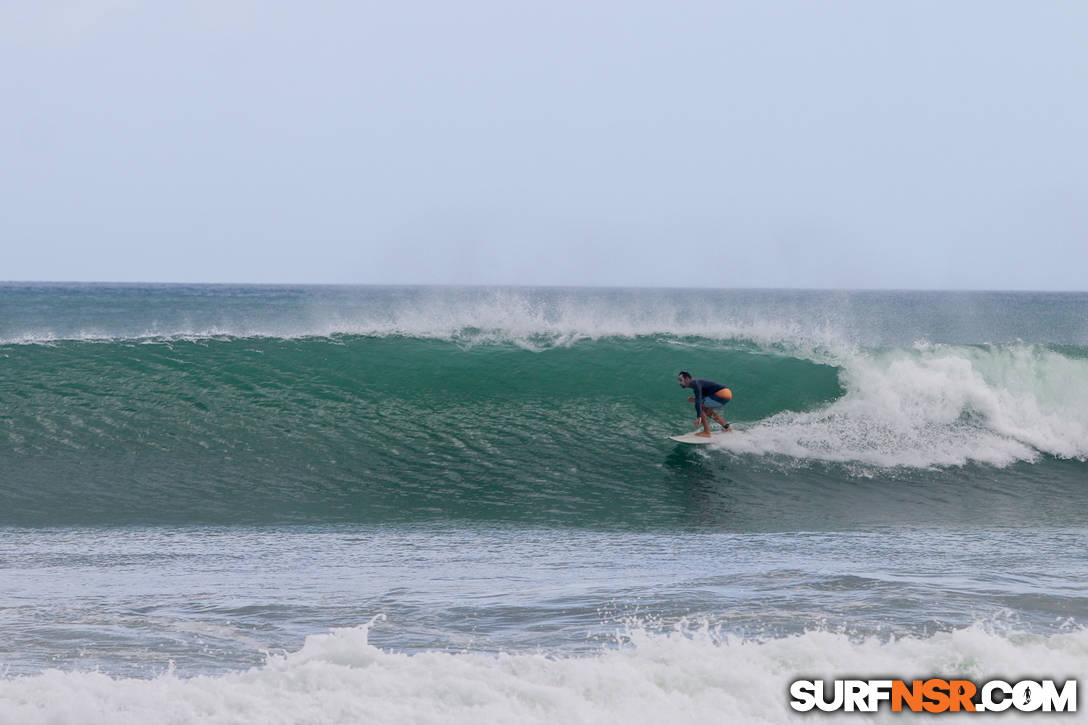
697, 388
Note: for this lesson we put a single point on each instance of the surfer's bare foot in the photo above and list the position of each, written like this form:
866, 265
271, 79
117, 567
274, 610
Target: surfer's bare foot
703, 435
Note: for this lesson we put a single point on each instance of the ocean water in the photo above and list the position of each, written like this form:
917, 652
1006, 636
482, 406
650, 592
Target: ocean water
361, 504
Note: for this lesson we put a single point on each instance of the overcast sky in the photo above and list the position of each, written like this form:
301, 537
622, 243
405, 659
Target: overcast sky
722, 144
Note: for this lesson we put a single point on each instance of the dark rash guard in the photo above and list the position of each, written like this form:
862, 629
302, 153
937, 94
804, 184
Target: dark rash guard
703, 389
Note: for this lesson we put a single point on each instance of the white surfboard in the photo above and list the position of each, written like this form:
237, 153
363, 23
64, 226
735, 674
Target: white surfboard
697, 440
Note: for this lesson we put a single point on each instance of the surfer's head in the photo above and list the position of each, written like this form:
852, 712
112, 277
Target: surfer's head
683, 378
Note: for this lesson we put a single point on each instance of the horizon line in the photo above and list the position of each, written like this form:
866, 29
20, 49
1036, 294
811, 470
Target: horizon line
507, 285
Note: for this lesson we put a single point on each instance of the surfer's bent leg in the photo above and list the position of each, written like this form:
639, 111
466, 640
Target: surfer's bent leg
711, 406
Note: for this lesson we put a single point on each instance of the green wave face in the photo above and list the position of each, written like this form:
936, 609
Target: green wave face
357, 428
145, 404
400, 429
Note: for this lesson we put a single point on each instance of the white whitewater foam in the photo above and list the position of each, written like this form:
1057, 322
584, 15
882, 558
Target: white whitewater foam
939, 405
679, 677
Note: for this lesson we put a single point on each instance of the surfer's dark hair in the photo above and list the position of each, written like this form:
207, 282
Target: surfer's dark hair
685, 374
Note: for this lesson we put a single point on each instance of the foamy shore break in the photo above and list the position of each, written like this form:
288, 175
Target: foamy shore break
685, 676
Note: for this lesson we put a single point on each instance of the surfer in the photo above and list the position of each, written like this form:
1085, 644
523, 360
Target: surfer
709, 396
